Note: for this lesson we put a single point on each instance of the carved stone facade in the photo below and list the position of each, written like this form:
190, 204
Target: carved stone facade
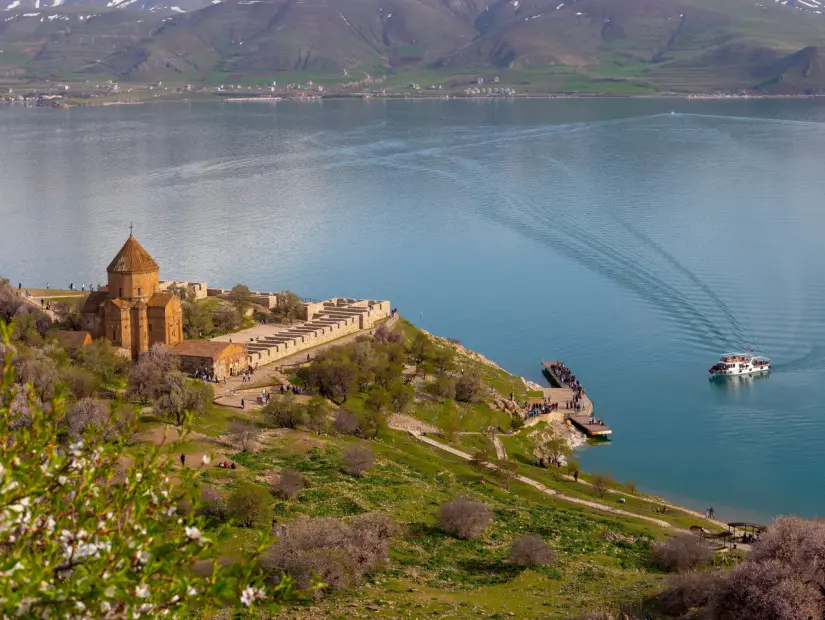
132, 312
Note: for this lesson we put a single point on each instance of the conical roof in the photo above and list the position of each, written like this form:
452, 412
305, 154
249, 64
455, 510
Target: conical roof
132, 258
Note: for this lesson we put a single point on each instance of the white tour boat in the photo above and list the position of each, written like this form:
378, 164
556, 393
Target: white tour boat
735, 364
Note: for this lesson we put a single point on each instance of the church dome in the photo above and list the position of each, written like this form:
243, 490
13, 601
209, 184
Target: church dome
132, 258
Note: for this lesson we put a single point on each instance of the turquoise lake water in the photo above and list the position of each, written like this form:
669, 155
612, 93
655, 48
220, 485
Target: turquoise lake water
634, 244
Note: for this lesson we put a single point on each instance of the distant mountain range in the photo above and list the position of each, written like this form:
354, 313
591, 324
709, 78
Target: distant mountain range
691, 45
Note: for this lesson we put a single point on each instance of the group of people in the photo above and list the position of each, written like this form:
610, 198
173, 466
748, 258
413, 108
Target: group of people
209, 377
592, 420
291, 388
227, 464
709, 513
245, 374
539, 409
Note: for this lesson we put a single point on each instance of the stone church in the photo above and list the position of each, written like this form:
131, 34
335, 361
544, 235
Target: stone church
131, 311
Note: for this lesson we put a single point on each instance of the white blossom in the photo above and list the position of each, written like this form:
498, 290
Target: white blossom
142, 591
247, 596
205, 459
24, 606
193, 533
190, 591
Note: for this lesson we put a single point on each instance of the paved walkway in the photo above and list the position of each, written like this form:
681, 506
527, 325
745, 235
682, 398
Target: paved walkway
231, 393
501, 451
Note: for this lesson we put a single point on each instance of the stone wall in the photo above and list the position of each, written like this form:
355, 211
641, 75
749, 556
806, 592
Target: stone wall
332, 319
198, 288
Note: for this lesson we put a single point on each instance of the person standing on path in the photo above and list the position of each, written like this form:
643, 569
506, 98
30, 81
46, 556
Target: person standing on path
182, 459
242, 404
576, 475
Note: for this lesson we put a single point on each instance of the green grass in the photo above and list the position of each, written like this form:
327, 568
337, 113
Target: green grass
432, 572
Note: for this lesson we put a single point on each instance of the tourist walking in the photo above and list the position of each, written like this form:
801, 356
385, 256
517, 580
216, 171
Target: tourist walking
182, 459
243, 406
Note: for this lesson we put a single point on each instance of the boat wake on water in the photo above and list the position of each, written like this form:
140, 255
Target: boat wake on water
598, 236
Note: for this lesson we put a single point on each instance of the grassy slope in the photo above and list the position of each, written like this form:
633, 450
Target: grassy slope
601, 557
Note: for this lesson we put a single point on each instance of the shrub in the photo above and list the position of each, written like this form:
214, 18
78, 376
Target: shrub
180, 396
516, 423
290, 483
550, 448
358, 459
345, 423
381, 333
464, 518
338, 553
80, 382
681, 552
468, 389
402, 396
213, 505
531, 550
317, 415
150, 372
241, 297
243, 434
37, 369
226, 318
631, 486
91, 414
602, 483
444, 388
450, 425
247, 504
795, 541
379, 400
370, 423
687, 591
284, 411
102, 533
767, 589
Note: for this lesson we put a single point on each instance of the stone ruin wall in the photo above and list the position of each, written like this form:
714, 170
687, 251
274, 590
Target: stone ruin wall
320, 331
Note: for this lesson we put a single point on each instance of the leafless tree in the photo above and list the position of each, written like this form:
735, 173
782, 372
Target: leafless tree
464, 518
689, 590
338, 553
243, 433
358, 459
91, 413
602, 483
766, 589
150, 372
290, 483
345, 423
531, 550
681, 552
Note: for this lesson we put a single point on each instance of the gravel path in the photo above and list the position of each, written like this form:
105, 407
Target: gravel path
540, 487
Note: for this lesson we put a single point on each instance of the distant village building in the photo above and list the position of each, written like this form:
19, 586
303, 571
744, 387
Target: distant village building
132, 311
211, 357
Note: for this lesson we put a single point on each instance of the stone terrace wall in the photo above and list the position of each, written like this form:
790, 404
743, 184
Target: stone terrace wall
330, 321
